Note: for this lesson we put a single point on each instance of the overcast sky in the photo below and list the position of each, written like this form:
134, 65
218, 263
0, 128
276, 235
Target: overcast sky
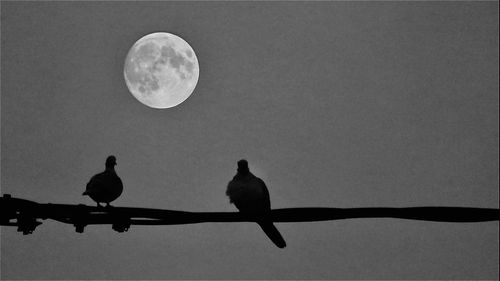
334, 104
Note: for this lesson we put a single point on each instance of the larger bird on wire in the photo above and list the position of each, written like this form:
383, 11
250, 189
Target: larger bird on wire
105, 187
250, 195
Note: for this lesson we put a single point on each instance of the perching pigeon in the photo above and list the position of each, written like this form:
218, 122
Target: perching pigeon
250, 195
105, 187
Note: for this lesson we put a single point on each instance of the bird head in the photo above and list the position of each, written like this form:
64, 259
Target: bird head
243, 166
110, 161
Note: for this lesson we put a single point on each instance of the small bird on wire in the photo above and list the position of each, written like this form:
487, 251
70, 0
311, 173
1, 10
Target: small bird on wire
105, 187
250, 195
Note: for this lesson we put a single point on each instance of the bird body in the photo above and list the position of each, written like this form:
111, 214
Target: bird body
105, 187
250, 195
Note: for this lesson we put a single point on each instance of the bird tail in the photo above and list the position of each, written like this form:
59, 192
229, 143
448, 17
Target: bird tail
272, 232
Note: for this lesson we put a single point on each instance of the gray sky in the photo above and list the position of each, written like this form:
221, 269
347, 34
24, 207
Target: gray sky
334, 104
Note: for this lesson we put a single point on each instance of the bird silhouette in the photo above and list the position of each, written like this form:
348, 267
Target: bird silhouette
250, 195
105, 187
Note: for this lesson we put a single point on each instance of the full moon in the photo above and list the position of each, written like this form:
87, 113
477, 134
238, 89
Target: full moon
161, 70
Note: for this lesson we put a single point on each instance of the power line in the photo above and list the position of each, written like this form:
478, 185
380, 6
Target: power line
26, 215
